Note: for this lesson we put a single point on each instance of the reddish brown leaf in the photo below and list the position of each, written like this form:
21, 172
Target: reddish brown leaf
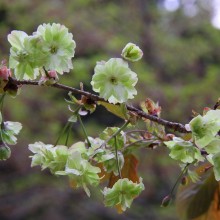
103, 174
72, 184
214, 210
119, 209
129, 171
200, 200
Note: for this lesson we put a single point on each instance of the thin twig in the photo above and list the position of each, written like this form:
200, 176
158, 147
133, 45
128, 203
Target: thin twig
178, 179
172, 125
136, 142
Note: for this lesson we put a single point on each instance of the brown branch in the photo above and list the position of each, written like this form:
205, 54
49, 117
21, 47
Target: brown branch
172, 125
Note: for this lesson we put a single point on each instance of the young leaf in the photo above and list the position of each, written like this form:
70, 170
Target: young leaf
118, 110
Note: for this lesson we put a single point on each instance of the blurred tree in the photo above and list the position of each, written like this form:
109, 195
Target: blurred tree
180, 69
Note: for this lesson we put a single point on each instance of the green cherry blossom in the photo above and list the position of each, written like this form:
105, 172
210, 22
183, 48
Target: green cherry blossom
204, 128
111, 165
58, 45
48, 156
213, 147
132, 52
81, 172
215, 161
24, 55
9, 130
122, 193
108, 132
183, 151
42, 153
114, 80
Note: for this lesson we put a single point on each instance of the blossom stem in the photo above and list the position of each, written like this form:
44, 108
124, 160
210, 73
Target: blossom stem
1, 104
116, 156
62, 132
178, 179
68, 134
84, 130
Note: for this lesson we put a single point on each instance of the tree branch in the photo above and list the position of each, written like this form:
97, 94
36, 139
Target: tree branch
172, 125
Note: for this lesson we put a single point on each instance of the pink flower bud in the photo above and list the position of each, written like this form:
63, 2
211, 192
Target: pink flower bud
49, 78
53, 74
5, 73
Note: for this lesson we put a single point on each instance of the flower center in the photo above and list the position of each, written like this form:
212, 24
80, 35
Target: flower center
113, 80
53, 49
22, 56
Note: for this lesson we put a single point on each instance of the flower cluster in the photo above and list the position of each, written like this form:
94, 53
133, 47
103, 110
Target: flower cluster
205, 130
205, 138
51, 47
87, 166
66, 161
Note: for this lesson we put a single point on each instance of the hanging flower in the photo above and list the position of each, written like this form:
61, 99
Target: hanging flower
9, 130
122, 193
81, 172
48, 156
114, 81
204, 128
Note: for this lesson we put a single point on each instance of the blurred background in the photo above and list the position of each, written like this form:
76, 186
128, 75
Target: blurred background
180, 69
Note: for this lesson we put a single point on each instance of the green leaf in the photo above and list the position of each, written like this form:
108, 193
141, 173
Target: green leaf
118, 110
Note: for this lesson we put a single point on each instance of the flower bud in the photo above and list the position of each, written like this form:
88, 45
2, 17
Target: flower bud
5, 73
184, 180
169, 137
49, 79
166, 201
53, 74
132, 52
5, 151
